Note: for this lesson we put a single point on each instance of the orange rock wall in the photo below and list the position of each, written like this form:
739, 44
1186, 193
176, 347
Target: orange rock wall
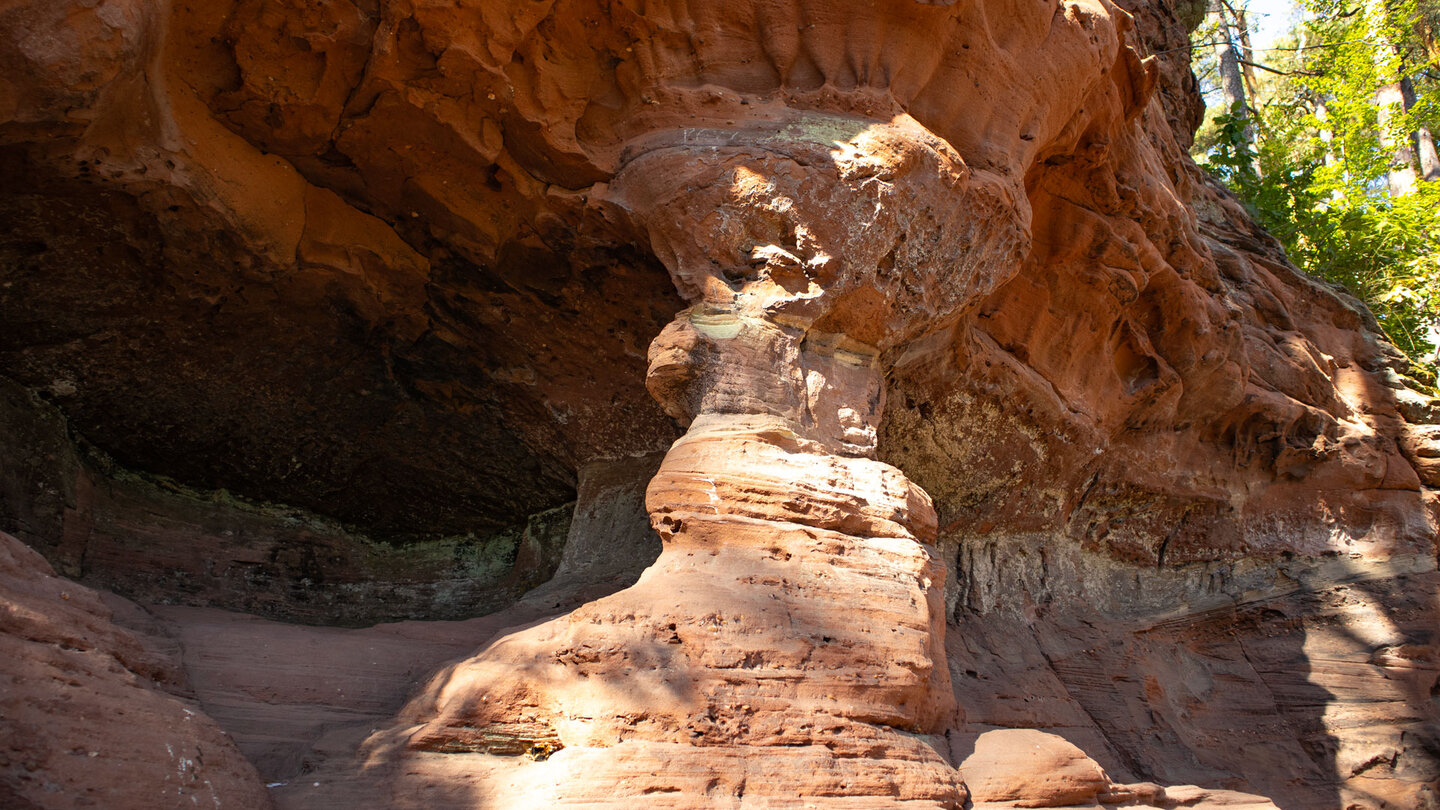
994, 413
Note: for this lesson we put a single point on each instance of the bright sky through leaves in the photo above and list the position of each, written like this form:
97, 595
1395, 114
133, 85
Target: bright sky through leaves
1269, 19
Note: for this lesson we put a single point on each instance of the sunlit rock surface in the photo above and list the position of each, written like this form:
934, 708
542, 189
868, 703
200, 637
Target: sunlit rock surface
93, 714
988, 449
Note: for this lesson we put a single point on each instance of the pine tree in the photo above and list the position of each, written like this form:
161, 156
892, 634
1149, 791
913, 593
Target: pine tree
1332, 150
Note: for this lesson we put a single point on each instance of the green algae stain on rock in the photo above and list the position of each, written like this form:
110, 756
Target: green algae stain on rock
718, 325
823, 129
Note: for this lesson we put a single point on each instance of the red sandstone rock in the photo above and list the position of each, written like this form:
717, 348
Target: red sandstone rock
1030, 769
1143, 321
89, 712
725, 648
1177, 485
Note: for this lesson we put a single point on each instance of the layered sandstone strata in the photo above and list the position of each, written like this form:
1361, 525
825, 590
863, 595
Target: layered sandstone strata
788, 646
96, 715
727, 672
1176, 484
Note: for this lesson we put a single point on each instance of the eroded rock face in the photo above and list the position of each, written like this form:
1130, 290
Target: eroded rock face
983, 386
417, 202
156, 541
773, 514
95, 715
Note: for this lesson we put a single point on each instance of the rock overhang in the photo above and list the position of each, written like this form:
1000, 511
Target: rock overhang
439, 189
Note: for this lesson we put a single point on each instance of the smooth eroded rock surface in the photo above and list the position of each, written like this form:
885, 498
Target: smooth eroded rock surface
95, 715
990, 452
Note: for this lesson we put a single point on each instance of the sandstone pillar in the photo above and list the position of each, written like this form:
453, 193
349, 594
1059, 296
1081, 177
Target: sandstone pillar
788, 645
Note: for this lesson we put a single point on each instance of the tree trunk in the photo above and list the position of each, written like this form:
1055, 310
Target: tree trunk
1232, 82
1390, 103
1247, 53
1327, 137
1422, 142
1400, 178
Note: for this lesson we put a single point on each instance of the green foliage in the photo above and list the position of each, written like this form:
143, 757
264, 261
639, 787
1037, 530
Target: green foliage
1386, 253
1315, 174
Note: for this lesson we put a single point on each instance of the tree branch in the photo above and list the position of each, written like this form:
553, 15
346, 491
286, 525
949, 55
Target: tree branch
1281, 72
1279, 48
